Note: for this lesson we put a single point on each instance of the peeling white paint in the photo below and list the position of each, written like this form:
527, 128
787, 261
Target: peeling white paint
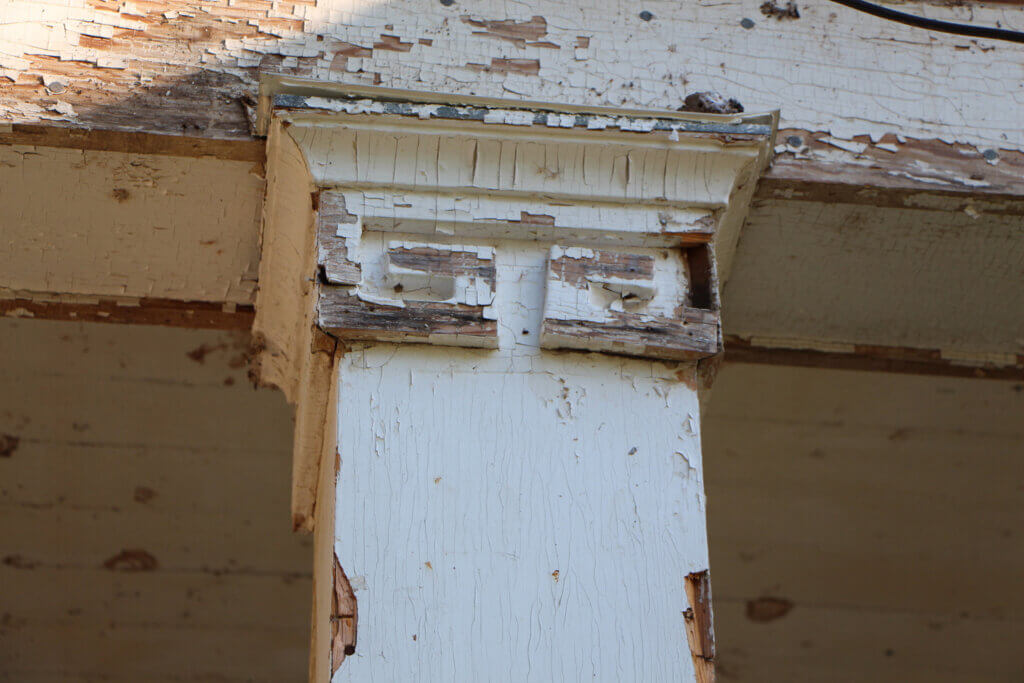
469, 478
818, 69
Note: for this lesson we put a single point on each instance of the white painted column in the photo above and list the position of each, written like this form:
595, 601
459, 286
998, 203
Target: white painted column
505, 305
517, 514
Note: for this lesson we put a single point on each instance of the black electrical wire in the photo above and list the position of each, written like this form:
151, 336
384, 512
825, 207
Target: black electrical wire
933, 24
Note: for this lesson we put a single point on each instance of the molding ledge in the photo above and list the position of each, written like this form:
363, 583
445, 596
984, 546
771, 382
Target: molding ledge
389, 213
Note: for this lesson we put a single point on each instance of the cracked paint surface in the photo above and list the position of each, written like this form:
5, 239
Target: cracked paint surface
571, 565
830, 70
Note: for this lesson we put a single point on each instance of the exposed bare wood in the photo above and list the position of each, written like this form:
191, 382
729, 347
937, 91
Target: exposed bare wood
333, 258
700, 630
517, 32
351, 319
344, 618
893, 171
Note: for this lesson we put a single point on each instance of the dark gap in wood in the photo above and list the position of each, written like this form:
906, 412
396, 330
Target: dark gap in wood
699, 269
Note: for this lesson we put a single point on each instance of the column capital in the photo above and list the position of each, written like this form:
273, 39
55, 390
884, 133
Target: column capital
388, 214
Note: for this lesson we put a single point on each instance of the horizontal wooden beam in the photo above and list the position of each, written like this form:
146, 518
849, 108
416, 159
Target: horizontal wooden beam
165, 312
207, 315
103, 140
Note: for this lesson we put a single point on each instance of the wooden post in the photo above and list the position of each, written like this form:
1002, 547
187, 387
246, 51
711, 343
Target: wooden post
511, 303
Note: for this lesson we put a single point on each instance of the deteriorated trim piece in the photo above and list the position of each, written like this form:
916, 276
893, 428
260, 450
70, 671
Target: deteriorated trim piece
516, 116
349, 318
344, 618
700, 629
336, 227
654, 305
690, 339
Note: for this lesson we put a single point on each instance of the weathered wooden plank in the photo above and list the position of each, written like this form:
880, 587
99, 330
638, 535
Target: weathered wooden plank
114, 66
926, 278
351, 319
128, 225
691, 338
893, 172
413, 291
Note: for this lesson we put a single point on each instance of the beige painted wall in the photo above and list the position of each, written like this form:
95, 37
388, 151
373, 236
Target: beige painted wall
145, 531
887, 509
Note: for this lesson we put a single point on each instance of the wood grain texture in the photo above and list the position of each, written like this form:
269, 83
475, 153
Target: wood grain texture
700, 631
337, 266
351, 319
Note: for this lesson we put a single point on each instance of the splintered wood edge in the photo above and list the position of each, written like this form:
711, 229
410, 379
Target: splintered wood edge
344, 618
700, 629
